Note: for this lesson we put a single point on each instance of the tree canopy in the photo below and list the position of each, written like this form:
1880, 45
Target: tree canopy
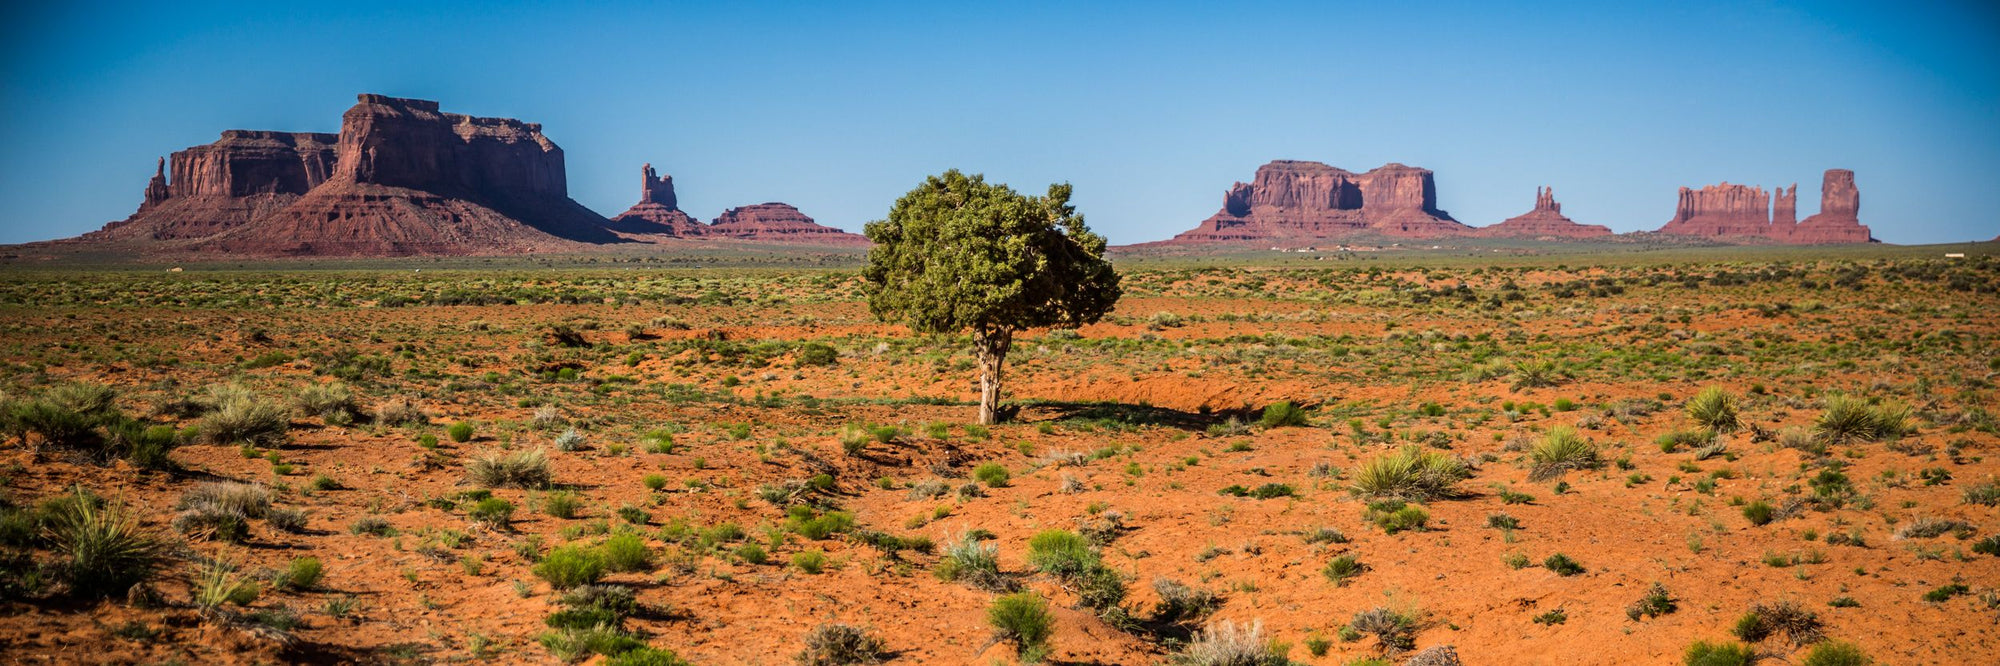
961, 254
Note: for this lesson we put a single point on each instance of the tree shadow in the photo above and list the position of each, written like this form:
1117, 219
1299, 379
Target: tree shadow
1121, 415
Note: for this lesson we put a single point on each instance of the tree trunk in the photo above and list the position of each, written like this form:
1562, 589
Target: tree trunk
990, 346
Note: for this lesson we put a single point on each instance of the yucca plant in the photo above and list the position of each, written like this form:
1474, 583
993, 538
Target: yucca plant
218, 584
105, 551
1560, 450
1851, 419
1409, 474
1715, 409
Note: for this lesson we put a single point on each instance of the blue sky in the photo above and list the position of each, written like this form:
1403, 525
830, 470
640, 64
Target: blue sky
1151, 109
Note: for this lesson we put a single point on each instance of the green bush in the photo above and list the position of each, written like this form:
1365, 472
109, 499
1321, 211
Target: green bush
1836, 653
1391, 628
817, 526
1759, 512
1283, 415
809, 561
646, 656
460, 432
813, 354
570, 566
104, 551
1409, 474
626, 552
561, 504
1562, 565
493, 512
992, 474
1848, 419
1061, 553
968, 560
1704, 653
520, 469
1560, 450
303, 574
1023, 619
1396, 516
1714, 409
1342, 568
239, 417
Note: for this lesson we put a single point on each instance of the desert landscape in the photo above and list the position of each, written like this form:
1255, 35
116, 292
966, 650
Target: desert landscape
926, 341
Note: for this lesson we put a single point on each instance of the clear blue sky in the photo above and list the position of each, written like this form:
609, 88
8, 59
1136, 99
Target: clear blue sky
1151, 109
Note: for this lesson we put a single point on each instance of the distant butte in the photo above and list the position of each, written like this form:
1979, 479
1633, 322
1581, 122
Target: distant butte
1295, 200
778, 222
1545, 221
658, 211
1745, 213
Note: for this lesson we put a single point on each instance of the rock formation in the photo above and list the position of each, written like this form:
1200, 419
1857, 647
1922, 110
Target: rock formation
400, 178
1294, 200
220, 186
1722, 210
778, 223
1838, 219
1545, 221
658, 211
1742, 212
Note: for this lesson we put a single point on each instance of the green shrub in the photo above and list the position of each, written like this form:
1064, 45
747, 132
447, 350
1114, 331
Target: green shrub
493, 512
1562, 565
1409, 474
333, 403
575, 644
646, 656
993, 474
626, 552
1393, 629
1848, 419
218, 584
808, 524
1836, 653
239, 417
1704, 653
1560, 450
561, 504
840, 645
1183, 605
520, 469
653, 481
303, 574
1061, 553
969, 561
570, 566
1714, 409
104, 551
1342, 568
460, 432
1283, 415
1656, 603
1023, 619
813, 354
1759, 512
1396, 516
809, 561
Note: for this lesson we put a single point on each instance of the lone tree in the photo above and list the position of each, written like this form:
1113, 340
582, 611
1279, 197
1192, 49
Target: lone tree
959, 254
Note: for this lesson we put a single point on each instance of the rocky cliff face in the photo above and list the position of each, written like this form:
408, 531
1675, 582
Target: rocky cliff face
1545, 221
1295, 200
1722, 210
400, 178
1743, 212
777, 222
658, 210
216, 187
1838, 219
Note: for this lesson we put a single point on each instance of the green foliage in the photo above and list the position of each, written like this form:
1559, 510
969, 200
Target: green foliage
1656, 603
993, 474
1759, 512
647, 656
104, 551
570, 566
1704, 653
1714, 409
1560, 450
815, 354
958, 254
1023, 619
1342, 568
1396, 516
1562, 565
1283, 415
520, 469
1849, 419
812, 525
240, 417
460, 432
1061, 553
302, 574
840, 645
1410, 473
626, 552
1393, 629
493, 512
1836, 653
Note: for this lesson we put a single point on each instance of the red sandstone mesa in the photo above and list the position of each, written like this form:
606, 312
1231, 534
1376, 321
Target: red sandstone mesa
1742, 212
400, 178
1546, 221
1294, 200
778, 222
658, 210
